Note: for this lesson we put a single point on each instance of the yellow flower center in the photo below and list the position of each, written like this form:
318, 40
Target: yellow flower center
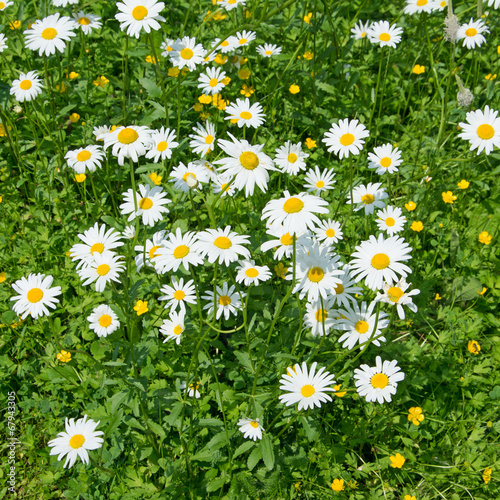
485, 131
213, 82
339, 288
103, 269
252, 272
97, 247
390, 221
49, 33
379, 381
223, 242
253, 423
292, 158
385, 162
246, 115
384, 37
249, 160
181, 251
286, 239
178, 330
421, 3
330, 233
105, 320
186, 175
395, 293
76, 441
307, 391
368, 199
224, 300
269, 52
361, 326
161, 146
320, 184
293, 205
179, 295
225, 43
380, 261
35, 295
471, 32
2, 5
152, 251
139, 13
186, 53
209, 139
84, 21
316, 274
25, 84
127, 136
83, 155
145, 203
347, 139
242, 41
321, 314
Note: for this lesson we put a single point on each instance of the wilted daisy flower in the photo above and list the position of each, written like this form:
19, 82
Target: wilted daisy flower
129, 232
181, 174
268, 50
360, 29
320, 317
149, 251
49, 34
232, 4
223, 245
104, 268
378, 260
283, 241
417, 6
346, 138
378, 383
187, 52
149, 204
290, 158
305, 387
178, 294
103, 321
178, 249
382, 33
87, 158
251, 116
26, 87
128, 142
385, 159
173, 327
361, 325
328, 231
35, 294
203, 141
482, 130
136, 15
471, 33
368, 197
345, 292
80, 436
250, 274
192, 390
87, 22
162, 143
3, 42
396, 296
317, 181
211, 82
227, 301
391, 219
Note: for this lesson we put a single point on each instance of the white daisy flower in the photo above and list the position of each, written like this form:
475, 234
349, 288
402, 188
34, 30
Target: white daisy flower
148, 252
418, 6
385, 159
178, 249
391, 219
87, 22
442, 4
492, 3
87, 158
137, 15
162, 143
317, 181
482, 130
226, 45
26, 87
382, 33
345, 292
63, 3
378, 383
244, 38
470, 33
172, 328
232, 4
379, 259
360, 30
103, 321
223, 245
35, 295
396, 296
3, 42
187, 52
328, 231
178, 294
128, 142
251, 116
100, 131
290, 158
250, 428
4, 5
346, 138
283, 241
305, 387
203, 141
226, 299
320, 317
250, 274
211, 82
368, 197
193, 391
105, 268
181, 174
80, 436
129, 232
223, 183
167, 47
50, 34
268, 50
149, 204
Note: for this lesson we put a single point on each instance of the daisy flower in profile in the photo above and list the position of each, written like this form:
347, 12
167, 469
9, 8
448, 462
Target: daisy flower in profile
268, 50
87, 22
3, 42
105, 268
222, 245
385, 159
290, 158
80, 436
128, 142
187, 52
173, 327
345, 292
178, 294
317, 181
283, 241
382, 33
178, 249
248, 163
222, 183
368, 197
320, 317
361, 325
391, 219
396, 295
378, 383
50, 34
346, 138
307, 388
417, 6
250, 274
35, 295
378, 260
250, 428
182, 174
26, 87
226, 299
137, 15
193, 391
149, 202
100, 131
212, 81
103, 321
87, 158
471, 33
162, 143
251, 116
232, 4
295, 213
360, 29
203, 140
482, 130
328, 231
149, 251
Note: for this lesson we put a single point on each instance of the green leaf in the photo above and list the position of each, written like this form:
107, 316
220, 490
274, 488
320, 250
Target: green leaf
217, 483
495, 393
157, 429
243, 448
254, 457
151, 88
466, 288
244, 359
267, 451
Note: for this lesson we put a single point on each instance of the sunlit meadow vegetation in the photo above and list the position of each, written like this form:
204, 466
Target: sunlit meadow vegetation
249, 249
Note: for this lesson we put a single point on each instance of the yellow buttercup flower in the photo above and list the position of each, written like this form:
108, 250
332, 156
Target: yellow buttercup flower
3, 132
487, 475
220, 59
2, 277
294, 89
308, 55
438, 297
410, 497
244, 74
415, 415
280, 270
448, 197
101, 81
417, 225
485, 237
338, 392
473, 346
141, 307
463, 184
411, 205
246, 90
60, 88
155, 178
418, 70
174, 72
14, 25
74, 117
310, 143
64, 356
489, 76
198, 107
338, 485
483, 291
307, 18
151, 59
397, 461
205, 99
80, 177
73, 75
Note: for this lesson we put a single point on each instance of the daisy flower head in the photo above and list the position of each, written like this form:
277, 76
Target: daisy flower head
222, 183
418, 6
187, 53
172, 328
391, 219
250, 274
360, 30
346, 138
3, 42
361, 325
283, 241
100, 131
296, 213
244, 38
149, 251
226, 299
471, 33
248, 163
79, 438
442, 4
149, 202
193, 391
328, 231
63, 3
50, 34
105, 268
226, 45
103, 321
251, 116
35, 294
203, 140
368, 197
232, 4
320, 317
268, 50
385, 159
222, 245
306, 387
87, 158
26, 87
396, 295
250, 428
379, 382
166, 46
177, 250
4, 5
345, 293
379, 259
182, 175
482, 130
290, 158
317, 181
137, 15
87, 22
128, 142
162, 143
178, 294
212, 81
382, 33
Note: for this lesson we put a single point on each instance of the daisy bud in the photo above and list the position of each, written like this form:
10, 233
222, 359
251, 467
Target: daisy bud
192, 181
129, 232
17, 109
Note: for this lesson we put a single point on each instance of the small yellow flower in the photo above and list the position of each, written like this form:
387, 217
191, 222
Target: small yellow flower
141, 307
2, 277
199, 107
307, 18
489, 76
397, 461
483, 291
353, 485
438, 297
308, 55
418, 70
174, 72
338, 392
64, 356
205, 99
155, 178
448, 197
219, 16
73, 75
440, 224
101, 81
487, 475
151, 59
410, 497
415, 415
60, 88
226, 81
410, 206
280, 270
417, 225
80, 177
15, 25
297, 486
3, 132
473, 347
220, 59
498, 49
463, 184
244, 74
74, 117
310, 143
294, 89
246, 90
338, 485
485, 237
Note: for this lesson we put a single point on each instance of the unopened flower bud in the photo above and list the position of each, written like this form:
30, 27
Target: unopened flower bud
192, 181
